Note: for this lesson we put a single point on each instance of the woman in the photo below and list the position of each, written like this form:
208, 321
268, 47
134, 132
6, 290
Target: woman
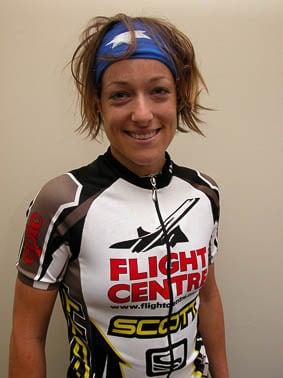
129, 240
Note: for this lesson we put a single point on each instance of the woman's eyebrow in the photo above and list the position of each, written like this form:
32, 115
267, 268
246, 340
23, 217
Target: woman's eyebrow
125, 82
158, 78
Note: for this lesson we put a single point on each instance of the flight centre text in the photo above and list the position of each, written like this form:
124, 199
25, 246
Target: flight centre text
135, 284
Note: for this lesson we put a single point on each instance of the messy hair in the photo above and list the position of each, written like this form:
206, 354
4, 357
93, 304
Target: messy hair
189, 81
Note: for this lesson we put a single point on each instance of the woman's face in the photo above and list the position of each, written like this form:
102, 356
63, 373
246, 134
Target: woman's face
138, 105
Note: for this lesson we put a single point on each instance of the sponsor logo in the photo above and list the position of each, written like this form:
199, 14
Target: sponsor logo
144, 327
147, 240
126, 38
31, 249
158, 361
80, 357
142, 281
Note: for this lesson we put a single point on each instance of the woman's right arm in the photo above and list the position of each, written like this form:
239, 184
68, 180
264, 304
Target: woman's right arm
31, 315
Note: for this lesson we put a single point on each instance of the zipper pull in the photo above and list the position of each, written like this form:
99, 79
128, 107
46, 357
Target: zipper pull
154, 189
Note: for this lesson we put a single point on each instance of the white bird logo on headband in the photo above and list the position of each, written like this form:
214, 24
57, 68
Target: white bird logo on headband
126, 38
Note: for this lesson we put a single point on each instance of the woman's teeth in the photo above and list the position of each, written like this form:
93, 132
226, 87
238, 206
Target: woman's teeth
144, 136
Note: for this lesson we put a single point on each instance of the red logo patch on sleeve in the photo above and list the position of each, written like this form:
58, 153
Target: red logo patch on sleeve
31, 249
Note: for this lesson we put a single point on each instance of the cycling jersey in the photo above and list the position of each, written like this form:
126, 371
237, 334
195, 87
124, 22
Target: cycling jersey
129, 255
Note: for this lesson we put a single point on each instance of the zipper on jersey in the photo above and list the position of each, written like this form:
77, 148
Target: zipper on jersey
168, 269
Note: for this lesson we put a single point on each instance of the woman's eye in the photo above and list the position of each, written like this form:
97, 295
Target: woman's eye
160, 91
119, 96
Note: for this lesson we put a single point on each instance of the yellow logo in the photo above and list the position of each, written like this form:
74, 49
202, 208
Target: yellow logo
154, 326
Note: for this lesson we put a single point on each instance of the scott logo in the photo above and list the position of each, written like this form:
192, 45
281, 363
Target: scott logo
31, 250
158, 361
144, 327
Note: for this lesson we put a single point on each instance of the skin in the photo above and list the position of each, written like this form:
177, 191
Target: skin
211, 326
138, 106
27, 344
138, 100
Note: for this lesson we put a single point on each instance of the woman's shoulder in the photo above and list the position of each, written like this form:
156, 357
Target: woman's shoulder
194, 176
63, 186
66, 189
203, 183
60, 191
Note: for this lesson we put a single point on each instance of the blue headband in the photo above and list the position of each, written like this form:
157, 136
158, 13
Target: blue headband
116, 42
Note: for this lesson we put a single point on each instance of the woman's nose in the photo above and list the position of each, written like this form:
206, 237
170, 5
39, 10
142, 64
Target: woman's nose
142, 112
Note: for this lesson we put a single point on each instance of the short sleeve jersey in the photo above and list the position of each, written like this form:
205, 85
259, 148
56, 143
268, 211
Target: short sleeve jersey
129, 256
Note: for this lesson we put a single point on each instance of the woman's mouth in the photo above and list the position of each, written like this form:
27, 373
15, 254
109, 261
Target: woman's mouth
144, 135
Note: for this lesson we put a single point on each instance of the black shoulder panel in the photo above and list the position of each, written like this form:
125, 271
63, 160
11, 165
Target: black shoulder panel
201, 182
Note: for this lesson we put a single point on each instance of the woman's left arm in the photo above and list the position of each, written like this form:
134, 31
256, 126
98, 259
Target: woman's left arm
211, 326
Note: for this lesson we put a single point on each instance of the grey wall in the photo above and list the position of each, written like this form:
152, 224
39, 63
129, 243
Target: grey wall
239, 47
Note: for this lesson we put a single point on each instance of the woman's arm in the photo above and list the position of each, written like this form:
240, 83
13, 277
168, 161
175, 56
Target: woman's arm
211, 326
31, 315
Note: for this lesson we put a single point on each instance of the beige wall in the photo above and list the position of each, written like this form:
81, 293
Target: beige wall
239, 46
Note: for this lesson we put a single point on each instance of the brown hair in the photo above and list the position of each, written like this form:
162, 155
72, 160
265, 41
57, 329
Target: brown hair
189, 81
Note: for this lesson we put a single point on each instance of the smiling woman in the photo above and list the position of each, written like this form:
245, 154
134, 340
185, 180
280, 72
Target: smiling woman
129, 241
138, 106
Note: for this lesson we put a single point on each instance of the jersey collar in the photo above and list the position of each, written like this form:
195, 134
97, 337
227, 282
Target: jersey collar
162, 179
